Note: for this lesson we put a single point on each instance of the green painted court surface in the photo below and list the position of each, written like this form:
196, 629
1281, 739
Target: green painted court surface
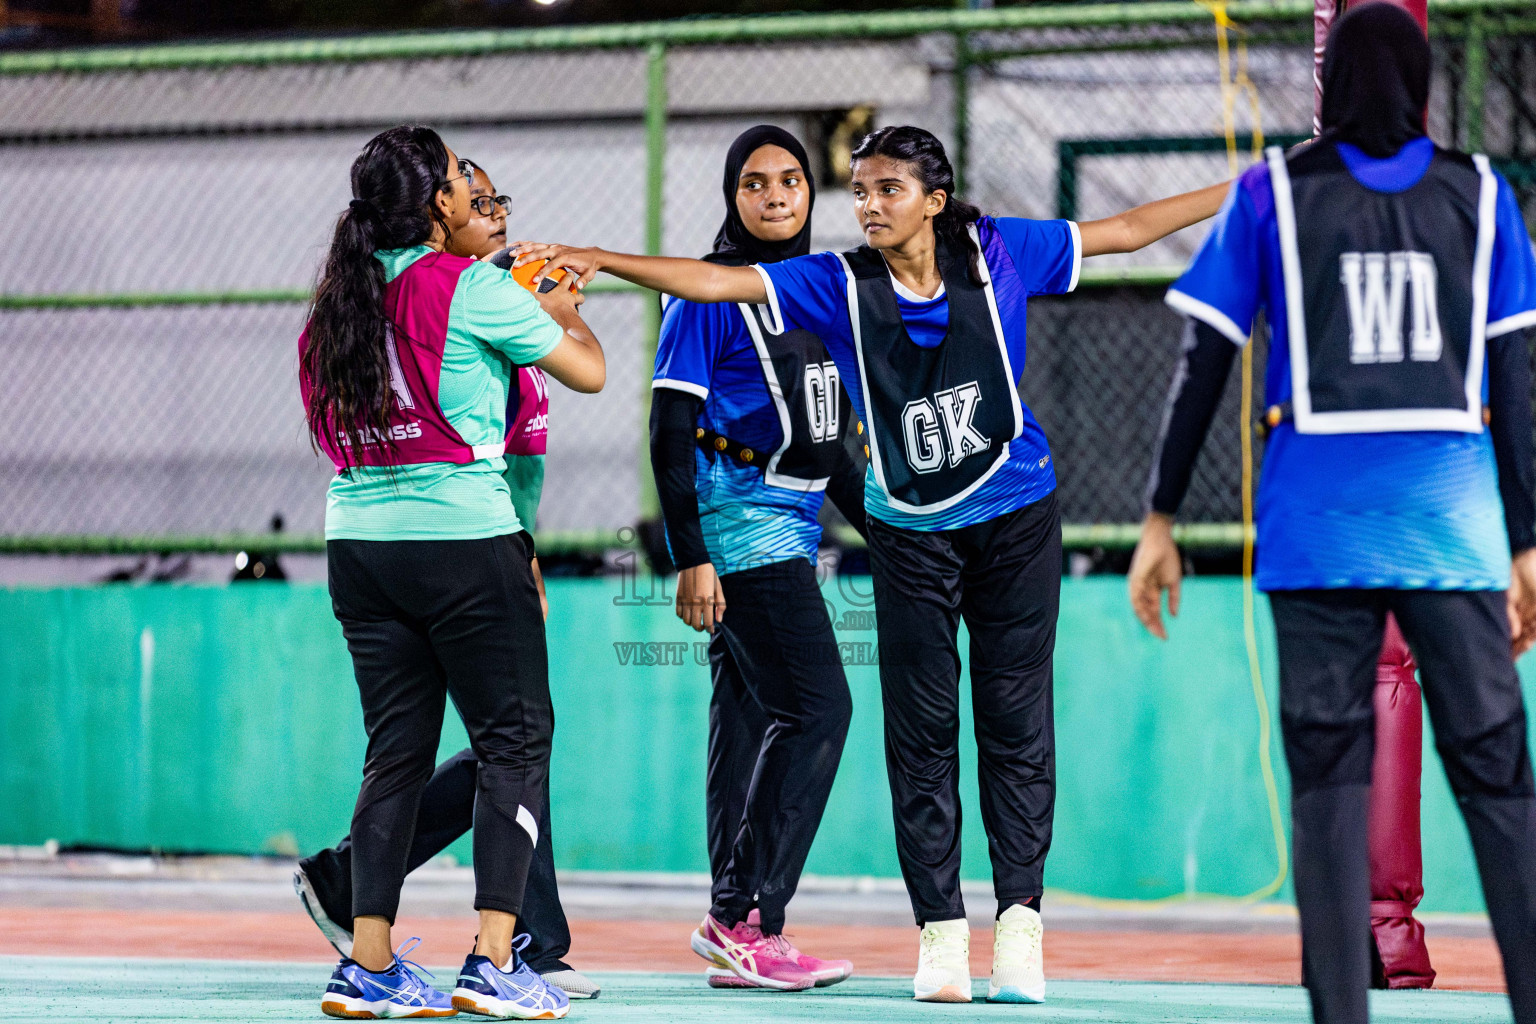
133, 991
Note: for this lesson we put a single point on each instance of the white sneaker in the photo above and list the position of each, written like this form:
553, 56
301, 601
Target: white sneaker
1018, 957
944, 963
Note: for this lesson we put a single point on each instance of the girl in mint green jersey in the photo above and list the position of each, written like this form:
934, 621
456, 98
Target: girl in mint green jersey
323, 881
404, 368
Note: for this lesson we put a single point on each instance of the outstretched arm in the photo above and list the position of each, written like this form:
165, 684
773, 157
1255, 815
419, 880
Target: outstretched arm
694, 280
1145, 224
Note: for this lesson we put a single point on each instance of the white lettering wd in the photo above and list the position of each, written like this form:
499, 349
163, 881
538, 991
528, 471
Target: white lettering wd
1376, 287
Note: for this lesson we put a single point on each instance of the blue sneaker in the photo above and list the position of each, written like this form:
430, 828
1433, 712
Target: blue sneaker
519, 994
357, 993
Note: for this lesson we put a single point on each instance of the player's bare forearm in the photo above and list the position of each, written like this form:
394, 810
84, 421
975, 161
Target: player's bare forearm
694, 280
1139, 227
577, 361
691, 280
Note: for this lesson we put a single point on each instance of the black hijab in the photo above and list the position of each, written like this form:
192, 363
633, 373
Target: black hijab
734, 244
1375, 79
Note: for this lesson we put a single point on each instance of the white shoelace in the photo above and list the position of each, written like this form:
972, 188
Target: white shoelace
938, 946
1028, 932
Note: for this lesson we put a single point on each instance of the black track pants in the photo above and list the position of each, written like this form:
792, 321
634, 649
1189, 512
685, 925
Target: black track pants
1328, 644
426, 620
737, 727
446, 813
1003, 577
778, 719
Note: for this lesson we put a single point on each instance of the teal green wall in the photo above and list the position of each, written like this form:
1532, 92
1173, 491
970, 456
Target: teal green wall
225, 719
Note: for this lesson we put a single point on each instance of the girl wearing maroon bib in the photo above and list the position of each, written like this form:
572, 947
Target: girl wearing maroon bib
405, 372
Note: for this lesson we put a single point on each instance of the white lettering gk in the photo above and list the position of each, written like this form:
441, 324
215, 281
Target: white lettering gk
929, 447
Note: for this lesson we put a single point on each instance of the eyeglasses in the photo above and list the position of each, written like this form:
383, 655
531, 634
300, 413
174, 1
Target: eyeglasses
466, 170
486, 205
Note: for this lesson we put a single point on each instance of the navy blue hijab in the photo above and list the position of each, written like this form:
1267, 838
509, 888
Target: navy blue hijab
1375, 79
734, 244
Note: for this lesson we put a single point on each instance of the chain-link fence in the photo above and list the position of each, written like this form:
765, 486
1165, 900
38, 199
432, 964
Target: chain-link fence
167, 209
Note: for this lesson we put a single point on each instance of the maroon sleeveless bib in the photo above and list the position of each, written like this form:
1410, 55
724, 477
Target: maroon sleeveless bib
416, 304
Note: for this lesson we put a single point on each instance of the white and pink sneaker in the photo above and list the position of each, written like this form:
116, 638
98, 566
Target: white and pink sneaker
720, 977
827, 972
766, 961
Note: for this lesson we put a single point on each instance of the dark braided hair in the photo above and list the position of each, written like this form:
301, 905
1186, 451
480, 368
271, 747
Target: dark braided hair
346, 362
924, 154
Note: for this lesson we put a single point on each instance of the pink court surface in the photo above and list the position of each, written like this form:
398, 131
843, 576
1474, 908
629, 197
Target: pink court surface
1464, 963
130, 939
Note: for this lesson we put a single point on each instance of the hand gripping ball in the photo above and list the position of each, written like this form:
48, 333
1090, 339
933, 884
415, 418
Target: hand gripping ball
523, 275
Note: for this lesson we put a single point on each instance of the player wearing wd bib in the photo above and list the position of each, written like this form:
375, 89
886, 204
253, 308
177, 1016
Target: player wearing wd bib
1396, 279
747, 437
960, 496
405, 367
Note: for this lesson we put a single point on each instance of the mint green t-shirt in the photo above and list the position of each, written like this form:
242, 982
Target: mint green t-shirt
525, 480
494, 323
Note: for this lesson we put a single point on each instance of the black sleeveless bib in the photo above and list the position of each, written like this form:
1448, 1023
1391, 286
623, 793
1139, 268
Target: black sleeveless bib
812, 405
939, 418
1386, 294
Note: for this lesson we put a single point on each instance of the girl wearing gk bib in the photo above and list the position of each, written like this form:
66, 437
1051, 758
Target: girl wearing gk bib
747, 435
926, 325
324, 881
404, 369
1398, 283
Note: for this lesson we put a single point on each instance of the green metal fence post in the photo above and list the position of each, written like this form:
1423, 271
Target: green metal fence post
1066, 179
1475, 85
962, 89
655, 200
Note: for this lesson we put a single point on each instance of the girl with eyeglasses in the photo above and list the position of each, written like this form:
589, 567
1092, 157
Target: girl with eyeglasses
324, 881
405, 369
926, 325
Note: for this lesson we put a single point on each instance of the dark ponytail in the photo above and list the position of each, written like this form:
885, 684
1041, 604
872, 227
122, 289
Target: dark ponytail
346, 362
924, 154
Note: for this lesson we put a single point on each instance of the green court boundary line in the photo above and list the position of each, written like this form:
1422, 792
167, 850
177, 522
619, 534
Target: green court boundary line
1075, 536
761, 28
1150, 276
